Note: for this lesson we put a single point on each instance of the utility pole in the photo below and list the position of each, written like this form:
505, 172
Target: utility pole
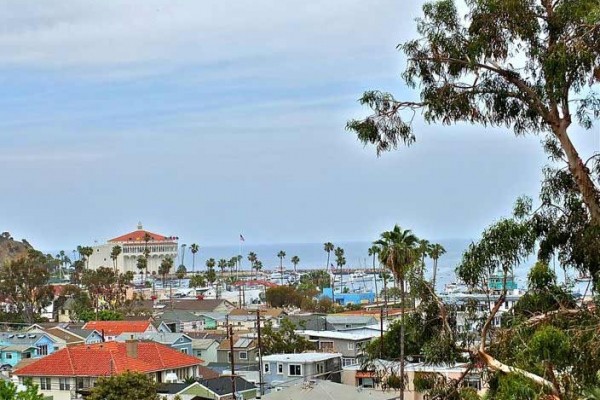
381, 332
260, 364
232, 360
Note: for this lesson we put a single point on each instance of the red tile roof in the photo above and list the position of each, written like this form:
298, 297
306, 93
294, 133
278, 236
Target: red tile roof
138, 236
115, 328
104, 359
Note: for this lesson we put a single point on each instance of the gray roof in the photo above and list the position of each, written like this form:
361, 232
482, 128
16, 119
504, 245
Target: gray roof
178, 315
214, 315
202, 344
28, 338
350, 319
322, 389
158, 337
222, 385
82, 333
18, 347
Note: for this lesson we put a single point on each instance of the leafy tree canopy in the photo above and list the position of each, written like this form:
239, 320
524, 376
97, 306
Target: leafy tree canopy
127, 386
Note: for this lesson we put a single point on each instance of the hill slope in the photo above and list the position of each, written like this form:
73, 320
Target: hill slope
11, 249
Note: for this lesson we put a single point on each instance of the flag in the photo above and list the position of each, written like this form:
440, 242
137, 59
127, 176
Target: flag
242, 238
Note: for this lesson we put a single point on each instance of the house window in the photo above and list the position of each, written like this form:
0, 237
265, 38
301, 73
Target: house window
199, 353
184, 351
8, 356
229, 356
320, 368
348, 361
42, 350
295, 370
347, 326
266, 368
350, 346
64, 384
243, 355
45, 383
279, 369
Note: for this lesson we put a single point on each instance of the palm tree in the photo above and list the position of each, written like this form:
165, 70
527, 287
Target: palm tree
194, 249
281, 256
295, 260
258, 265
232, 263
142, 264
340, 261
114, 254
165, 267
222, 265
437, 250
373, 251
424, 249
181, 271
328, 247
85, 253
210, 263
399, 252
252, 257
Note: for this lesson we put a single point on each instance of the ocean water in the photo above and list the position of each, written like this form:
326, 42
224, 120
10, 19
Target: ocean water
312, 256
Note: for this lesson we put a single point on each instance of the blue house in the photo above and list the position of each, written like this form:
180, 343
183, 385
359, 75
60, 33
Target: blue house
349, 298
16, 346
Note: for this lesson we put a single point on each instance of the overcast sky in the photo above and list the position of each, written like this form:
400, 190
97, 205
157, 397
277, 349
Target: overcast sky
207, 119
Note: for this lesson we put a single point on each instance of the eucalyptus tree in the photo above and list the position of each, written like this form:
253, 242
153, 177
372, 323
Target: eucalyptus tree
530, 66
281, 256
399, 252
194, 248
295, 261
328, 248
114, 255
437, 250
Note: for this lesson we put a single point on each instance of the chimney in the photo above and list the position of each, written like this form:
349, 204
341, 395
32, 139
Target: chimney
131, 345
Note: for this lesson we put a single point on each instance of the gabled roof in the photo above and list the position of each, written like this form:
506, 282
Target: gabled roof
114, 328
199, 305
68, 336
222, 385
159, 337
178, 315
104, 359
138, 236
238, 343
265, 312
23, 338
301, 357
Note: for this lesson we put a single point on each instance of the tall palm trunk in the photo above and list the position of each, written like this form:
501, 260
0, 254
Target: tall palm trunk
435, 260
402, 338
375, 278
